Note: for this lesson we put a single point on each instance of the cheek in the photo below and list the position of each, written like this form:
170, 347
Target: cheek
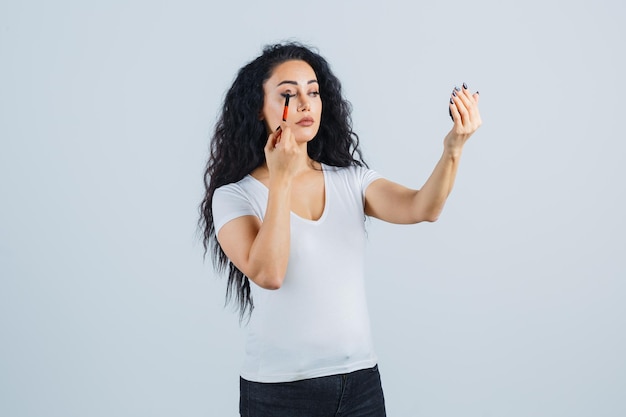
269, 111
267, 116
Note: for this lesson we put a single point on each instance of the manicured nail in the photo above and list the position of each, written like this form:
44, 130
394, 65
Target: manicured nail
477, 92
465, 86
457, 88
454, 93
451, 101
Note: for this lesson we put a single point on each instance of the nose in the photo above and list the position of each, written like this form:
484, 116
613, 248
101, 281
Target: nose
304, 104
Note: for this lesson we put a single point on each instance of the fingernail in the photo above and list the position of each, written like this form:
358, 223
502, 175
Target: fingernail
278, 128
465, 86
457, 88
477, 92
452, 101
454, 93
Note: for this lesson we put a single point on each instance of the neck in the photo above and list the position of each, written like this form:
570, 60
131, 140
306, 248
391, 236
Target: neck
305, 163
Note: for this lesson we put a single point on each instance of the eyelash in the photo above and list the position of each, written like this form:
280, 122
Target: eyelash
313, 93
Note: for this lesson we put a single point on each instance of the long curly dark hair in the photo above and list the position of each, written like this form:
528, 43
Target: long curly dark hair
237, 145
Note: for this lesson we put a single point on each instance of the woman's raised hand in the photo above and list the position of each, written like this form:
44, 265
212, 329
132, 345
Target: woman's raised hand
282, 153
466, 117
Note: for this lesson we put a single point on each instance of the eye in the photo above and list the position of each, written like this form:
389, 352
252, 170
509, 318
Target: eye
314, 93
287, 95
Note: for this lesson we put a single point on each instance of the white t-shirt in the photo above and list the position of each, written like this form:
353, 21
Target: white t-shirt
317, 323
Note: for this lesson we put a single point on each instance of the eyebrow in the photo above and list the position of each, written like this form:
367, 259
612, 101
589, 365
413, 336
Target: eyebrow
294, 83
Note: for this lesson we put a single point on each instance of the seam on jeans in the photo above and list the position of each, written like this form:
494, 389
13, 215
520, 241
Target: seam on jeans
247, 400
344, 379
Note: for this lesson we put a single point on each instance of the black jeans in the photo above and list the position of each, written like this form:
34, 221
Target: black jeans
357, 394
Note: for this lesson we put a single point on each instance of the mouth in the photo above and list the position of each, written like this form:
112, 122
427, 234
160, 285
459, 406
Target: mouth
306, 121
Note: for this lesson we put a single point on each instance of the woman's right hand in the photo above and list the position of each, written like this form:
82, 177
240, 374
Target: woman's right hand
282, 153
260, 249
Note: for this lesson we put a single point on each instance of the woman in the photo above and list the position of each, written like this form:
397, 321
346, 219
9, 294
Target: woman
284, 210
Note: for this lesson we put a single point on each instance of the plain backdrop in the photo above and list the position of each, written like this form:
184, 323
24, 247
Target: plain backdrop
512, 304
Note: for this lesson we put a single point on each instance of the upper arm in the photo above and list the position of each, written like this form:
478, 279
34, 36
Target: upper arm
236, 238
391, 202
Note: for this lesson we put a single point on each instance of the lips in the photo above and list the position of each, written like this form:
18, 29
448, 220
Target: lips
306, 121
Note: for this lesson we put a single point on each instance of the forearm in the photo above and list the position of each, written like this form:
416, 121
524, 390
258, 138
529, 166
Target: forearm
395, 203
429, 201
269, 253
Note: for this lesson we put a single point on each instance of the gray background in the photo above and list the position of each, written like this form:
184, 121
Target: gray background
510, 305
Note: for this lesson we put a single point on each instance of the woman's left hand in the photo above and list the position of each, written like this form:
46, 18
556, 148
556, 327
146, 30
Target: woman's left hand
464, 112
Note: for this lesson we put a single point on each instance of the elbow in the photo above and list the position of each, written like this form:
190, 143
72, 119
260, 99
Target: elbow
427, 219
433, 216
267, 274
272, 284
269, 280
430, 216
426, 211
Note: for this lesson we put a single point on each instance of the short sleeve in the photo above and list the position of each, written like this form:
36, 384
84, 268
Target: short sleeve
230, 202
366, 177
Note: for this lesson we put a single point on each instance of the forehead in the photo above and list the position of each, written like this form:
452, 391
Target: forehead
295, 70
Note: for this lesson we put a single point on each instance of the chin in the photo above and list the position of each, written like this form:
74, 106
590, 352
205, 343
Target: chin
306, 139
307, 136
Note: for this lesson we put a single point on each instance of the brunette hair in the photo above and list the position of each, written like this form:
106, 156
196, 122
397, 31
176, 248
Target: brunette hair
237, 145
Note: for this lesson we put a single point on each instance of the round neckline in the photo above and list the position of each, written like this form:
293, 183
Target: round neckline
326, 194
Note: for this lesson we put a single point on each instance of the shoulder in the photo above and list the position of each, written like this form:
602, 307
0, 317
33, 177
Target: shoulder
243, 193
353, 175
242, 187
352, 171
241, 198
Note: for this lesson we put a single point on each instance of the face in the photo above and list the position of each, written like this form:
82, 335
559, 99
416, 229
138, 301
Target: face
298, 80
